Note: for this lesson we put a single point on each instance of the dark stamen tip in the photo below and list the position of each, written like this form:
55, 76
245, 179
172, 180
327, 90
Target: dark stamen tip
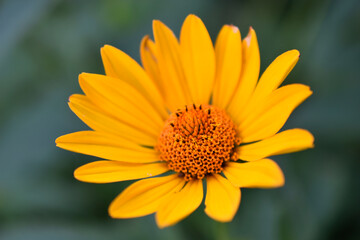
194, 106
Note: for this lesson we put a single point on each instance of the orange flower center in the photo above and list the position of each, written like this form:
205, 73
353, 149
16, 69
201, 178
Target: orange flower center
197, 141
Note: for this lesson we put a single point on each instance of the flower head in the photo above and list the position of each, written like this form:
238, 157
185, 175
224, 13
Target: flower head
187, 116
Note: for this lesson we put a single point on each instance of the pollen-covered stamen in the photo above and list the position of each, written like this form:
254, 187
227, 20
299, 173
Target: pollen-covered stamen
197, 141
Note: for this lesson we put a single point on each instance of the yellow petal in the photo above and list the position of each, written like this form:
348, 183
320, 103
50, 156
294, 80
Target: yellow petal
271, 79
145, 196
121, 101
180, 204
292, 140
119, 65
106, 146
270, 115
114, 171
98, 120
148, 54
249, 76
198, 59
228, 65
170, 64
222, 198
264, 173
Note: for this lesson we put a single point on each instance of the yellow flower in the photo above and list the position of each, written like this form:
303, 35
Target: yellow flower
187, 116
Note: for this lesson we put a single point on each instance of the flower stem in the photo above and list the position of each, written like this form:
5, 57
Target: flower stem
222, 231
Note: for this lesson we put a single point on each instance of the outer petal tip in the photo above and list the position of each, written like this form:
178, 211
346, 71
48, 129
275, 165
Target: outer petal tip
307, 132
112, 211
295, 52
264, 173
311, 139
104, 49
234, 28
281, 179
222, 199
191, 15
76, 175
107, 46
161, 224
281, 184
180, 204
144, 39
57, 140
81, 77
71, 97
156, 23
251, 34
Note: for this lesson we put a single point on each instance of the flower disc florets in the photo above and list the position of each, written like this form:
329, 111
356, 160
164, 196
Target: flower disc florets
197, 141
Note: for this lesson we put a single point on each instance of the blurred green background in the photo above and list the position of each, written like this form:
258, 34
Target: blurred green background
45, 44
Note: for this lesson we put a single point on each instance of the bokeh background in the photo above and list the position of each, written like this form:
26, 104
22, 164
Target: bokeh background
45, 44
